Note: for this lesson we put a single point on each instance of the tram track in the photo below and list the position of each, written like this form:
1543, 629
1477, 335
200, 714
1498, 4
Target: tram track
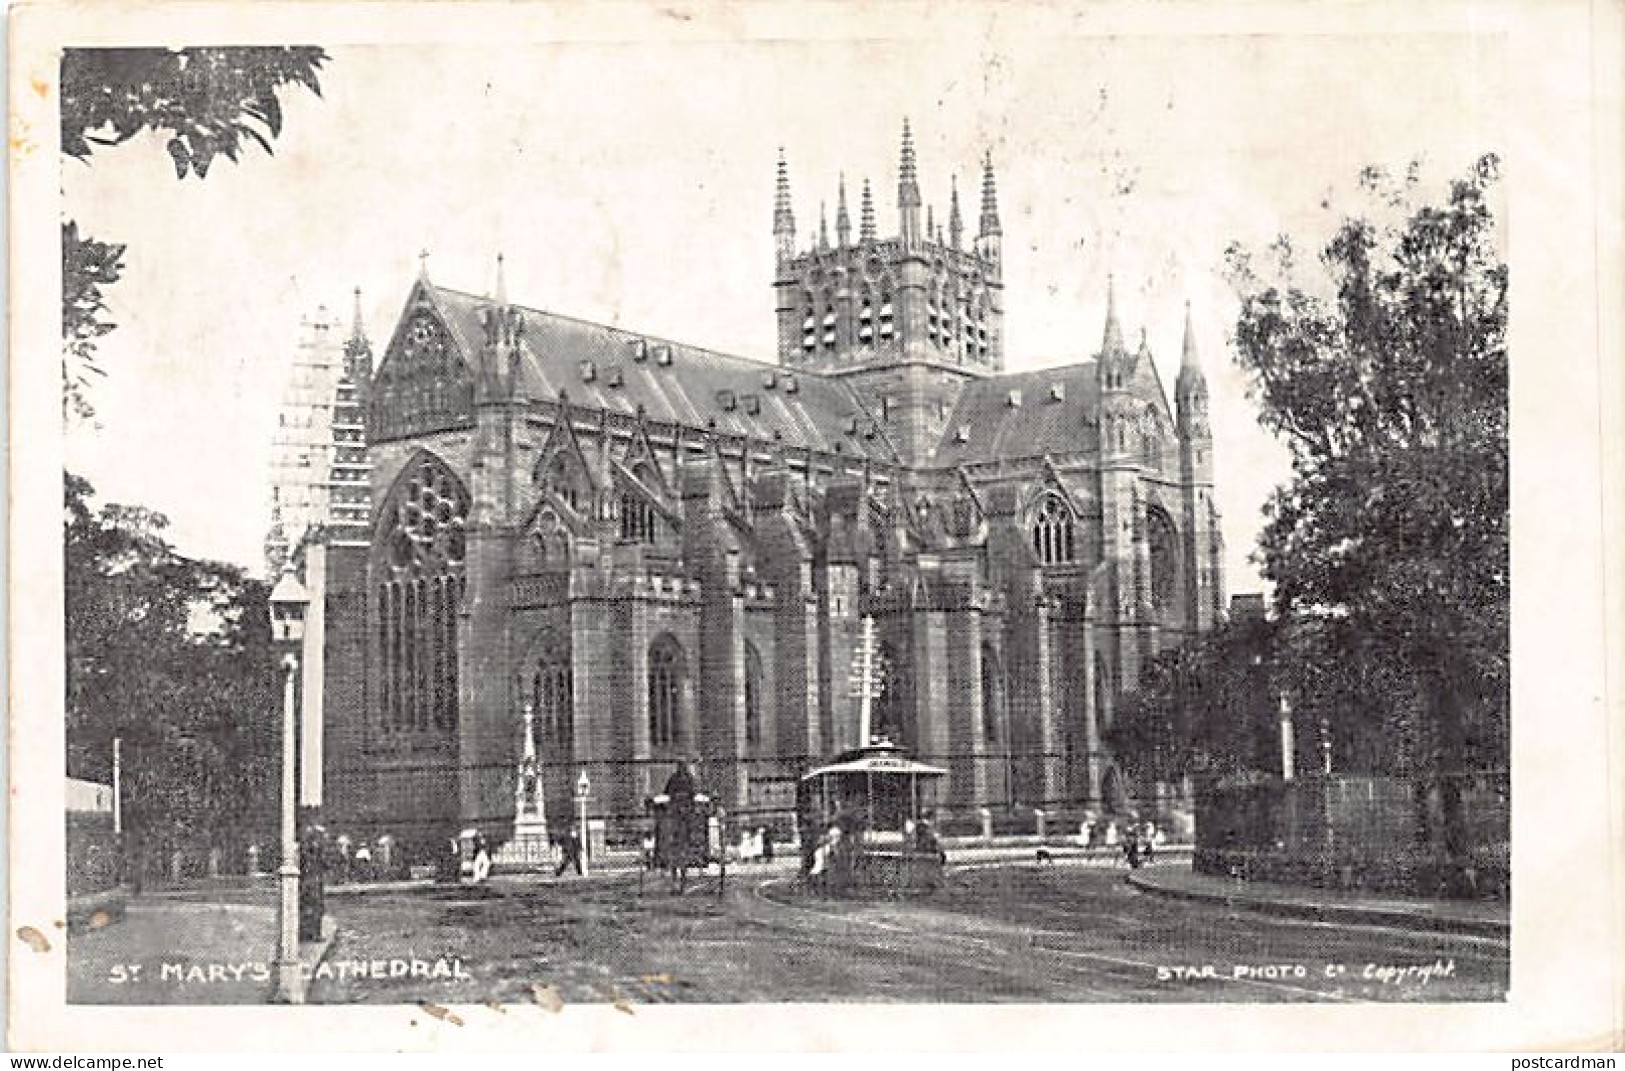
1114, 966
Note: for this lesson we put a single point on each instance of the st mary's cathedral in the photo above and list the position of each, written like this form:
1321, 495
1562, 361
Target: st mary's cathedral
663, 551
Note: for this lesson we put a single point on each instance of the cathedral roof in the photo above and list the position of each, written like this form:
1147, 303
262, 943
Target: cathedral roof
693, 387
1022, 414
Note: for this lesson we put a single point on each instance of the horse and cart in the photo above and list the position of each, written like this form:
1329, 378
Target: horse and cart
865, 821
682, 818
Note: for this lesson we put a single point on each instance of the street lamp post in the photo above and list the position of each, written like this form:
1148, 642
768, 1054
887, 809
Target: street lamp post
288, 602
1288, 746
583, 789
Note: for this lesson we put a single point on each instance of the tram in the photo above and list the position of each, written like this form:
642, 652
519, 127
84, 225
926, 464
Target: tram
865, 822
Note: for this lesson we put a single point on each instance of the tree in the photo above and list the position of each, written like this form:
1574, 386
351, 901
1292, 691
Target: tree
172, 656
1385, 373
1202, 708
210, 101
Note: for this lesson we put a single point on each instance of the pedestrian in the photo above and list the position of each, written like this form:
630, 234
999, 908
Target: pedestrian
571, 846
1150, 840
767, 844
1131, 849
482, 859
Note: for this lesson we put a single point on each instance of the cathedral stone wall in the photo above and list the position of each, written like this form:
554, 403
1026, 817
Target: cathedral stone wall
671, 553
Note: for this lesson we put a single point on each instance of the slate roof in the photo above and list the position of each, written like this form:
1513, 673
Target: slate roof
1041, 424
818, 414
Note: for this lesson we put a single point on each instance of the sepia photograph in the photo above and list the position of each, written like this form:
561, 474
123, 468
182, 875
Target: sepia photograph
737, 507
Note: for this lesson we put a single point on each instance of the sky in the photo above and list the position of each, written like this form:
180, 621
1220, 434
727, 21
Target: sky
631, 183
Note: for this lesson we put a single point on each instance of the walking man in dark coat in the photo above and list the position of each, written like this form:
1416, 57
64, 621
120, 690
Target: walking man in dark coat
571, 848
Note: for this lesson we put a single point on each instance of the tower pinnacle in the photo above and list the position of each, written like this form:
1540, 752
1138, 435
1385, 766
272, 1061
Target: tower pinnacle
358, 330
989, 224
908, 190
823, 228
502, 283
1112, 343
1188, 357
358, 349
1190, 389
843, 222
956, 225
866, 220
784, 220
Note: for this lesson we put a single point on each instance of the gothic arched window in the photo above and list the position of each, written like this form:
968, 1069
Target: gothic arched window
1052, 531
1163, 546
992, 694
419, 556
637, 519
753, 695
665, 692
553, 695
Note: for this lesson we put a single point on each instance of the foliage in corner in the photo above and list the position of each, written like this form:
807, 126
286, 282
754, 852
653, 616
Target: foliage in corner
210, 101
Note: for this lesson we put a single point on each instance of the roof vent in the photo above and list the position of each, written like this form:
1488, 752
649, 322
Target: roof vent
753, 404
1057, 392
790, 386
640, 349
852, 426
728, 400
963, 434
870, 432
769, 380
589, 371
1013, 399
662, 354
614, 377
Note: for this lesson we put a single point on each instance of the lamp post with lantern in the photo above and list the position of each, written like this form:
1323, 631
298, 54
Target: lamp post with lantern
289, 601
583, 790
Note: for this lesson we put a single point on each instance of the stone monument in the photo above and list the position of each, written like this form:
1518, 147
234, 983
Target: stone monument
529, 845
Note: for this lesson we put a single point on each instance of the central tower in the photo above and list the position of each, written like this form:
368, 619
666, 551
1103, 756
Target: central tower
905, 320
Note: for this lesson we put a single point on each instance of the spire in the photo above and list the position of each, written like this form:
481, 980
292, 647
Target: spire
784, 220
990, 200
866, 224
358, 329
956, 225
1191, 381
357, 348
1113, 340
843, 222
423, 266
907, 177
823, 228
1190, 389
908, 190
502, 283
930, 221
